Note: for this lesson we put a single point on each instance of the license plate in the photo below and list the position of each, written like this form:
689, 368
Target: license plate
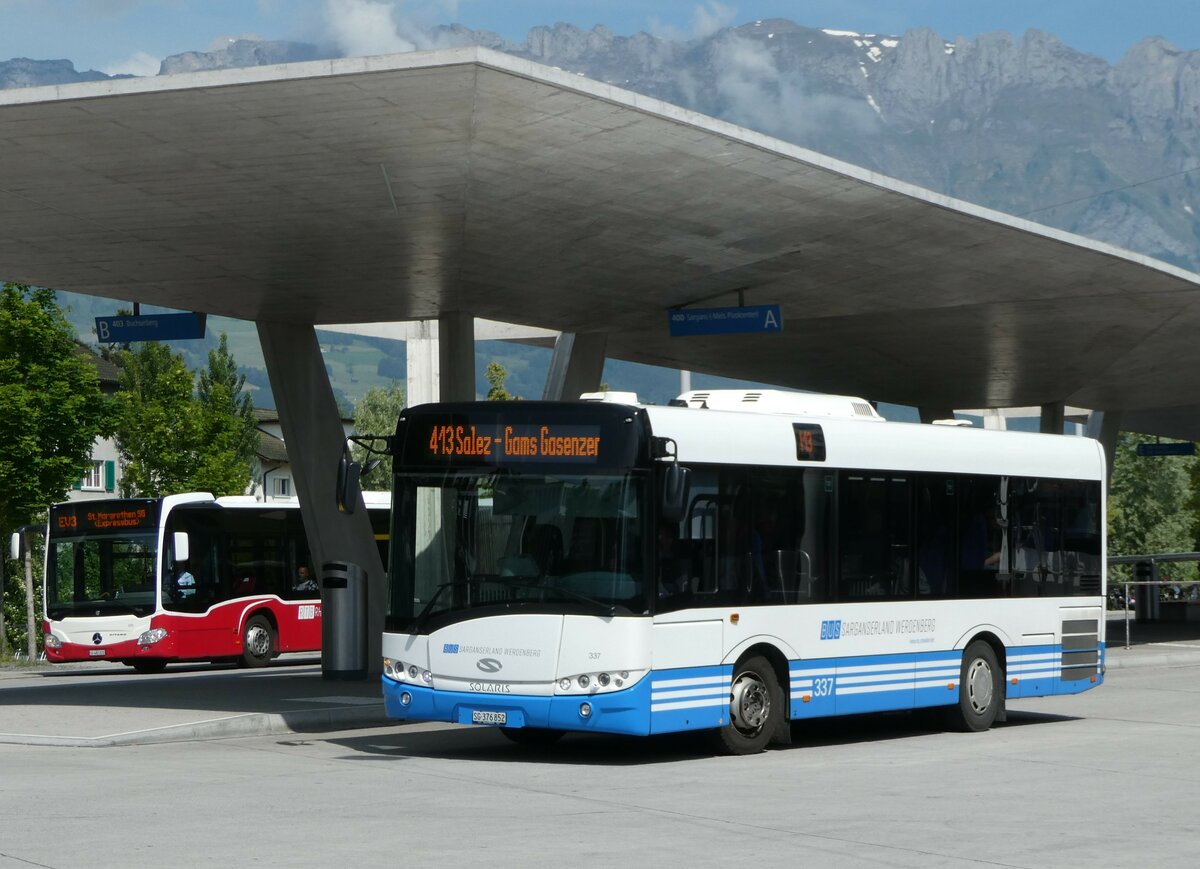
482, 716
96, 653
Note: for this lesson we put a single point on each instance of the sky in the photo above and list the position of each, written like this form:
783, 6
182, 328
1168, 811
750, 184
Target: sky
132, 36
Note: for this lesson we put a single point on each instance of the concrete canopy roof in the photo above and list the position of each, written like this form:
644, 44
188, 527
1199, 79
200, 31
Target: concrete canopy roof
400, 187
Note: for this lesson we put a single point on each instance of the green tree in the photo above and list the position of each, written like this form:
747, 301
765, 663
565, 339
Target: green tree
51, 410
496, 374
1149, 500
157, 420
173, 440
228, 429
376, 414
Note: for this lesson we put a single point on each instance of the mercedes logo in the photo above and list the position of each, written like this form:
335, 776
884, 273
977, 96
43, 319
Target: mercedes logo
96, 638
489, 665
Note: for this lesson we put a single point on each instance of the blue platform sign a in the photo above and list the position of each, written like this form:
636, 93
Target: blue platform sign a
740, 320
1186, 448
125, 329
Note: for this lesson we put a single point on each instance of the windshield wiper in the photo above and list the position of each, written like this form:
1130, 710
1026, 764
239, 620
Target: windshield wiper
609, 609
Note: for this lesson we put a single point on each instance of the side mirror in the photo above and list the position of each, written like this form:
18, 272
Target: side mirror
349, 492
676, 484
14, 546
180, 545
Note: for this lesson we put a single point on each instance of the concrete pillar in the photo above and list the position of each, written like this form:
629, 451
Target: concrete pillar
994, 420
929, 414
313, 433
1052, 417
1105, 426
456, 356
576, 366
421, 349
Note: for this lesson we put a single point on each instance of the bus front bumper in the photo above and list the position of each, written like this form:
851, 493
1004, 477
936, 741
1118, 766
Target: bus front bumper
626, 711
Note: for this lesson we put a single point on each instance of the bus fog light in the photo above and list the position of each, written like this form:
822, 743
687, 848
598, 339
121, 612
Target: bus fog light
564, 684
405, 699
585, 710
603, 679
426, 677
152, 636
52, 642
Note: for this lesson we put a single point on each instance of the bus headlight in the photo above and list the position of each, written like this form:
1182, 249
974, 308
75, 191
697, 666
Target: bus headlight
51, 642
152, 636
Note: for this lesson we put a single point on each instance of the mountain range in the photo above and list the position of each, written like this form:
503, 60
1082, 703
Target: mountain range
1028, 126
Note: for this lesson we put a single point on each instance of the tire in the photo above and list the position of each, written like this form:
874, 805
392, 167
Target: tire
755, 709
980, 690
258, 642
532, 737
148, 665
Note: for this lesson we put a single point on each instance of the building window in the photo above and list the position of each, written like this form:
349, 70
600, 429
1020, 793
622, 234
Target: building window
93, 480
283, 487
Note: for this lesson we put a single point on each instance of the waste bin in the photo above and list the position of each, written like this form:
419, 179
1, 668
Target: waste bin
343, 621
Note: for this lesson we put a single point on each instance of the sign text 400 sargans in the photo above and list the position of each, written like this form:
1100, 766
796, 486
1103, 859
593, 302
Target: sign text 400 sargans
572, 443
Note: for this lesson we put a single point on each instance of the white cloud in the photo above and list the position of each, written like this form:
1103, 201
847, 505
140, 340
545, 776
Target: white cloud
707, 18
139, 63
365, 27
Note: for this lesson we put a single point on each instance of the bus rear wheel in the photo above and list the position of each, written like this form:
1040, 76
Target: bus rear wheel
979, 690
258, 642
755, 707
149, 665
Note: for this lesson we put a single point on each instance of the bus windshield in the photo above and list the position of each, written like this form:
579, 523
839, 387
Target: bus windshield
480, 541
101, 574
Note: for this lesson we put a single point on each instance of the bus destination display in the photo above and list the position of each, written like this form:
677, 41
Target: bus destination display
134, 515
515, 443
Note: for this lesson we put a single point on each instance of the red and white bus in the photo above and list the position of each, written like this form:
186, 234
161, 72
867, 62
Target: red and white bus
190, 577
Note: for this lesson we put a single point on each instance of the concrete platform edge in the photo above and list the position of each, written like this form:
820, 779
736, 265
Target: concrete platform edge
253, 724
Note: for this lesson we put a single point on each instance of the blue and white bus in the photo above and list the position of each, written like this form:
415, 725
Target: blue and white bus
733, 563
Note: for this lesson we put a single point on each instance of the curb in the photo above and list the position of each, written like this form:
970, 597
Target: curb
252, 724
1129, 661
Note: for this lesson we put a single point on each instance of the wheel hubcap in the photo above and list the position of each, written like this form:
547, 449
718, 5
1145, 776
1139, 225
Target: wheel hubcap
749, 704
258, 641
980, 685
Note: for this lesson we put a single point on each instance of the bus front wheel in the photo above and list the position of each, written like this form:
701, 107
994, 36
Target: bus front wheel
258, 642
979, 689
755, 704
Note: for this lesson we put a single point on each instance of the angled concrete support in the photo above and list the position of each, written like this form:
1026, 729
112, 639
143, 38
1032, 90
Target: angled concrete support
1053, 417
456, 356
313, 433
577, 365
929, 414
1105, 426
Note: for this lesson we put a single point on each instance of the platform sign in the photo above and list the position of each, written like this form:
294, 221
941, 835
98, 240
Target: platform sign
126, 329
1182, 449
738, 320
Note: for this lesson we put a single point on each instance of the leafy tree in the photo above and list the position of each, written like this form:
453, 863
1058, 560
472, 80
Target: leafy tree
158, 423
51, 410
172, 440
376, 414
496, 374
1148, 503
229, 431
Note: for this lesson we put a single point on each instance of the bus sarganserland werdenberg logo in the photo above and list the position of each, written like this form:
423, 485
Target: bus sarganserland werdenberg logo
831, 629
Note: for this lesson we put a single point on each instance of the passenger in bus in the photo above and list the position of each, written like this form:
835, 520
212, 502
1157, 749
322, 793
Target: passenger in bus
305, 581
185, 583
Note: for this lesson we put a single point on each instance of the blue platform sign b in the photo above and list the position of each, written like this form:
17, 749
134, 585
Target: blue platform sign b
742, 320
149, 327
